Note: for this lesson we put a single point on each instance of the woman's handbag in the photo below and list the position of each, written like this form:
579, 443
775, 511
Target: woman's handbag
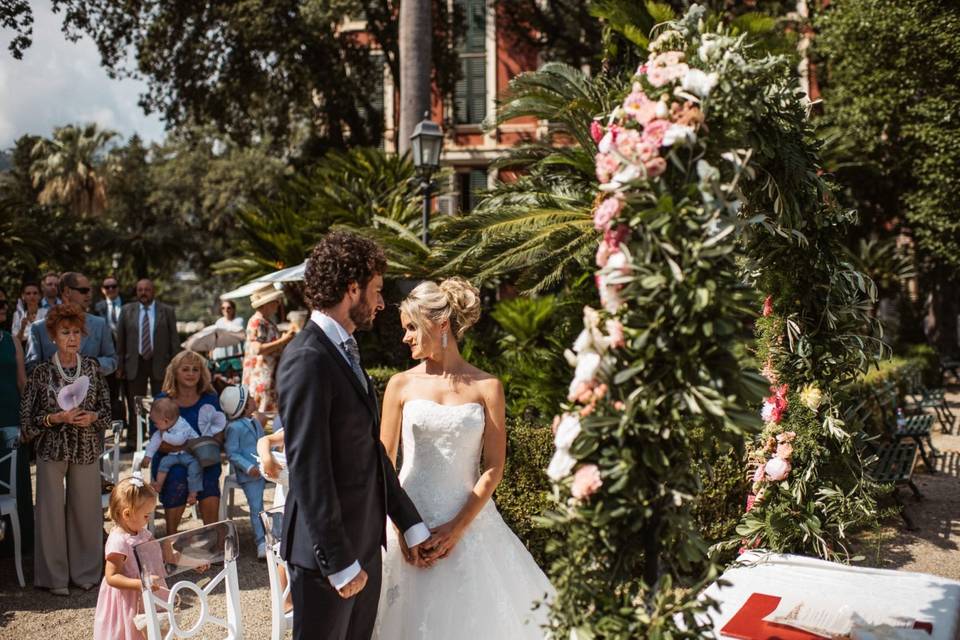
206, 450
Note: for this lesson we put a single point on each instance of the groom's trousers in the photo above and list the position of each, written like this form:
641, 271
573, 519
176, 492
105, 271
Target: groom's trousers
319, 613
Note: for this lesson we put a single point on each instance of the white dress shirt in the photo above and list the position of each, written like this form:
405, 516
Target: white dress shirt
413, 536
151, 311
113, 311
177, 435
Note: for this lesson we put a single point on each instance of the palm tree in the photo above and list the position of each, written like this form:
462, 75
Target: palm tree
415, 66
537, 230
69, 169
363, 190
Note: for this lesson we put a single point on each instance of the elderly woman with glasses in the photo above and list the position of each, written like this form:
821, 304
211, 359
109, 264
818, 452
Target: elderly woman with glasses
64, 412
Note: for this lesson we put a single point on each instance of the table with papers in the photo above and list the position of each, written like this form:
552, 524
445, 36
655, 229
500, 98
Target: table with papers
872, 594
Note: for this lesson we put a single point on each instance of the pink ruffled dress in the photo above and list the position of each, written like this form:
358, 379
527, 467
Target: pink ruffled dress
116, 608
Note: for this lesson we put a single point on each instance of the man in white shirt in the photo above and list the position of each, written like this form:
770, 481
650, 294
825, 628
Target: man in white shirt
109, 309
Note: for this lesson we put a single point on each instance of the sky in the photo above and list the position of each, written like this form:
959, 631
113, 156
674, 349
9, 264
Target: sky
60, 82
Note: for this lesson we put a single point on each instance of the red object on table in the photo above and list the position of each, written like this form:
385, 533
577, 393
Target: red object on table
748, 622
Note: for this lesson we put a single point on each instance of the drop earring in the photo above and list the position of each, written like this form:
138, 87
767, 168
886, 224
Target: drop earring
443, 340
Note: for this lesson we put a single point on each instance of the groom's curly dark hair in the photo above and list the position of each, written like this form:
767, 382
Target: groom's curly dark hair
337, 260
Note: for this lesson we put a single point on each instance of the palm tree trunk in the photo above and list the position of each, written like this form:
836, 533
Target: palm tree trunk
416, 65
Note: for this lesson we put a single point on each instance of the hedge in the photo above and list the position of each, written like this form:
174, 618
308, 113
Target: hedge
524, 492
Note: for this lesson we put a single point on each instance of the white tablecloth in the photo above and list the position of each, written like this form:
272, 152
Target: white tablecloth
918, 595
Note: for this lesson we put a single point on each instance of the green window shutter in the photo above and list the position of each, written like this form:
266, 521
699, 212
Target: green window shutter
471, 184
476, 39
470, 92
460, 95
477, 101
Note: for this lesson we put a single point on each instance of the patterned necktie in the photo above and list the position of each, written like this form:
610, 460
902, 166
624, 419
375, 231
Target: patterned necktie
353, 355
146, 344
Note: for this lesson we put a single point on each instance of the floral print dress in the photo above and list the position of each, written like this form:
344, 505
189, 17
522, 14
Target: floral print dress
259, 370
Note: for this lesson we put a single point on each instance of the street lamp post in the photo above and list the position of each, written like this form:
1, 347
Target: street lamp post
426, 142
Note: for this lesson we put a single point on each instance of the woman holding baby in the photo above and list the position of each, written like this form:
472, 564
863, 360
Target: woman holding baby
187, 381
64, 412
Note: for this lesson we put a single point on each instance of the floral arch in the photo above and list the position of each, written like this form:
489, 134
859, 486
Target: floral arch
710, 202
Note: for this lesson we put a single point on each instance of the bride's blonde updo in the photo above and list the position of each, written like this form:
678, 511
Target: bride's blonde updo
454, 299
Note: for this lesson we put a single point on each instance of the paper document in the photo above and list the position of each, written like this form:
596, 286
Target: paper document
827, 619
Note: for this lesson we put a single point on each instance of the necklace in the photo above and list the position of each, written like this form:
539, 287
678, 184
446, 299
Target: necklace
63, 374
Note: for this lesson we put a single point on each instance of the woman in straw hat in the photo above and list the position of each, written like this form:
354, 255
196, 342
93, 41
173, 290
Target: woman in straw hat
263, 348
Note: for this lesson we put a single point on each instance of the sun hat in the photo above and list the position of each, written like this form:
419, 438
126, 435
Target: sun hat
264, 295
233, 399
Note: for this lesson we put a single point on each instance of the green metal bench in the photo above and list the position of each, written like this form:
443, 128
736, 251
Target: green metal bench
893, 463
916, 427
919, 398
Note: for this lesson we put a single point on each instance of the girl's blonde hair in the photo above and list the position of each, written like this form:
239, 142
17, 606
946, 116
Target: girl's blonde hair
204, 385
454, 299
129, 493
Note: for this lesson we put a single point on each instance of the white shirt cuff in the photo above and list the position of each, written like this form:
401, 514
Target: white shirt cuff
416, 534
340, 579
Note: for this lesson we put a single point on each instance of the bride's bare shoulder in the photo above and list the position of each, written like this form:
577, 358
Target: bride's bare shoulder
482, 378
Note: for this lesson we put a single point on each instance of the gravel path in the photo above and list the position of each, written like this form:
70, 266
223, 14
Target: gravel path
32, 614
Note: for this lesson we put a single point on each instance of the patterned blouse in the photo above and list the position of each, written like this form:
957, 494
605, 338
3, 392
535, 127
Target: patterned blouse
64, 442
259, 370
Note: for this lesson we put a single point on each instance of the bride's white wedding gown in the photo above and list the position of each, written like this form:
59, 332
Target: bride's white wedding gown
488, 585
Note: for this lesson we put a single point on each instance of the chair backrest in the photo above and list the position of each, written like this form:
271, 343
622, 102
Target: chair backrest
9, 440
110, 458
273, 527
188, 559
142, 405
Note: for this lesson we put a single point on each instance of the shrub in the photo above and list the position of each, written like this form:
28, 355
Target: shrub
523, 493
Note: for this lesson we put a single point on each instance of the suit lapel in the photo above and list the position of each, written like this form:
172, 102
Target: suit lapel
343, 366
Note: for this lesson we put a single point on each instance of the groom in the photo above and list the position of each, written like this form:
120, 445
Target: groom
342, 485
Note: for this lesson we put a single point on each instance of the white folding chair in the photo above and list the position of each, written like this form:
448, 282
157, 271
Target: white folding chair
143, 424
280, 621
9, 437
110, 460
230, 485
176, 559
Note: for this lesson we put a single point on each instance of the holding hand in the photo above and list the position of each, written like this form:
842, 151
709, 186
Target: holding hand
411, 555
85, 418
441, 543
271, 469
355, 586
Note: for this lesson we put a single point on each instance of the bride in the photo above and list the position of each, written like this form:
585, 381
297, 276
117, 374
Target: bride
473, 579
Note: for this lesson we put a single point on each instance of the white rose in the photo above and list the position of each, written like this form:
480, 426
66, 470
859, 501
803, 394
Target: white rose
587, 364
561, 465
678, 133
698, 83
567, 431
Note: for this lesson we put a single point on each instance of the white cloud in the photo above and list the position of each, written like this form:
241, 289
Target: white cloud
61, 82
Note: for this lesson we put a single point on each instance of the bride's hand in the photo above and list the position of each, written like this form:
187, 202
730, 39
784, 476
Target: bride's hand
441, 543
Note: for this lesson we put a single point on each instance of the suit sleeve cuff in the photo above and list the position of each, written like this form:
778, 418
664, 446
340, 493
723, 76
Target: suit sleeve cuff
416, 534
340, 579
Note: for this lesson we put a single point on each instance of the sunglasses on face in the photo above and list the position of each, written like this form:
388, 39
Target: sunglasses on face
3, 304
83, 290
109, 286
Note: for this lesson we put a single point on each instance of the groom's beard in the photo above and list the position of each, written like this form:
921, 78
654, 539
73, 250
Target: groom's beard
362, 315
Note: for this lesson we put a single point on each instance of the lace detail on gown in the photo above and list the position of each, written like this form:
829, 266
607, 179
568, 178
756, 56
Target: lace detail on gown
488, 586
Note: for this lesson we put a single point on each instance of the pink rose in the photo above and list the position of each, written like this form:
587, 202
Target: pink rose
615, 331
586, 481
607, 165
627, 143
655, 167
614, 237
654, 131
606, 212
596, 131
784, 450
666, 67
777, 469
642, 69
603, 254
639, 106
758, 475
751, 499
767, 306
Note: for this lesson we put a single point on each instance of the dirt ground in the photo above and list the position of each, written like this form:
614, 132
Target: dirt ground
33, 614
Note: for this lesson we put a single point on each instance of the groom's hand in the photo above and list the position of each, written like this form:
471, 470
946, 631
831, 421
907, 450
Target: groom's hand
355, 586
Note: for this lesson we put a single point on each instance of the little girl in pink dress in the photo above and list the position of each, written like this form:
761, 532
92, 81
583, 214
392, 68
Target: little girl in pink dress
131, 507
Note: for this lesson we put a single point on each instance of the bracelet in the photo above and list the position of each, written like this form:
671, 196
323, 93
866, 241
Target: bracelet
46, 420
